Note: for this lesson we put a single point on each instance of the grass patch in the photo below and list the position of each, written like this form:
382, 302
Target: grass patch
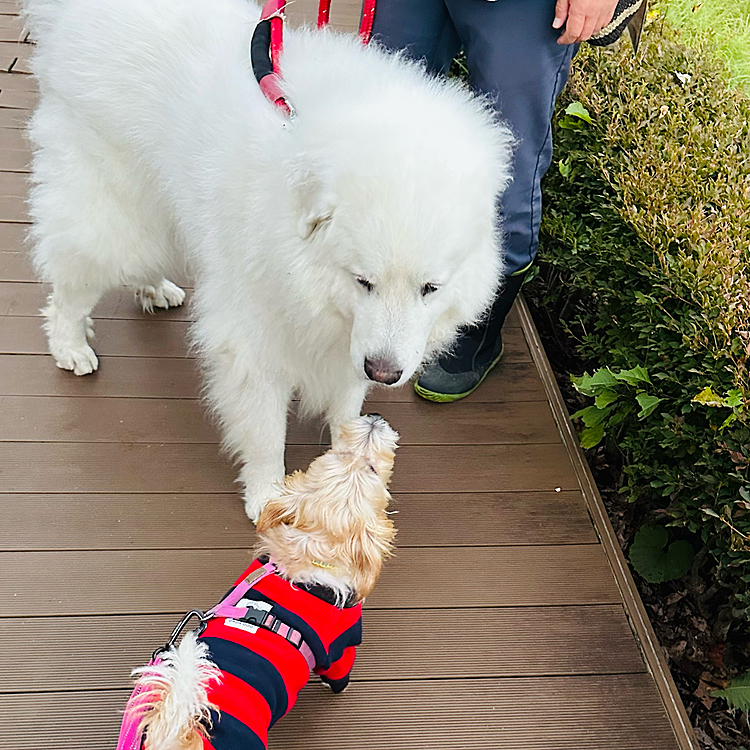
724, 24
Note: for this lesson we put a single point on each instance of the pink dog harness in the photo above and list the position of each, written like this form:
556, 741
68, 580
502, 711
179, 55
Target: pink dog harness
265, 636
131, 737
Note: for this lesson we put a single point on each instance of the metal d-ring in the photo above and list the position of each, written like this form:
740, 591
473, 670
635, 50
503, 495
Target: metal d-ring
202, 622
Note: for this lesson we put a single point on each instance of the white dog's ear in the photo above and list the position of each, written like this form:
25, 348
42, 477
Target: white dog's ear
313, 201
314, 217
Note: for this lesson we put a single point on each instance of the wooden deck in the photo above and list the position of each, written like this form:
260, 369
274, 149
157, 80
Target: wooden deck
507, 619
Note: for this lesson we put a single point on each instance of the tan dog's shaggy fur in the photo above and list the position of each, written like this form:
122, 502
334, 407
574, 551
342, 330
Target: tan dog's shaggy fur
335, 513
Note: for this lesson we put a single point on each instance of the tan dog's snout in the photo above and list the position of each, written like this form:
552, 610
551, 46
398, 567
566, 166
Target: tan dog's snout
371, 437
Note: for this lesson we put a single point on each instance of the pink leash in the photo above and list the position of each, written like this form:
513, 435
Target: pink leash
267, 45
131, 737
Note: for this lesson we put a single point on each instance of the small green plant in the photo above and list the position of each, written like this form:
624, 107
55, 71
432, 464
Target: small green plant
734, 400
575, 117
617, 395
656, 562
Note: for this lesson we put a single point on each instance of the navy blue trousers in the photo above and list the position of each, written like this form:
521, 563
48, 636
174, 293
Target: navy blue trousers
512, 55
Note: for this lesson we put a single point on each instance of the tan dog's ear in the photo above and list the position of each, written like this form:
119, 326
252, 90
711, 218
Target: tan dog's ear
274, 513
382, 461
368, 547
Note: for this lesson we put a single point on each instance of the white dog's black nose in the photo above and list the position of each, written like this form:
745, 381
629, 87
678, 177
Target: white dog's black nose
382, 371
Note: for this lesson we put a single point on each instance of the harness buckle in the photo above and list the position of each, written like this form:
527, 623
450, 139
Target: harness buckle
255, 616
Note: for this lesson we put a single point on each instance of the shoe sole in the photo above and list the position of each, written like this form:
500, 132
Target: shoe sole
448, 398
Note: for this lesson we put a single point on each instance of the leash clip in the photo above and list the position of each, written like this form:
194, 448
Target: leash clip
202, 623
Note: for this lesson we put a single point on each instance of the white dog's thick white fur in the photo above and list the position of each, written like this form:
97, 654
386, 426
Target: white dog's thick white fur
363, 229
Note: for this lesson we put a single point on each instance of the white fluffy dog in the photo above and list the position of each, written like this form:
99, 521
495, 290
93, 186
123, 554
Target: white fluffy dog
330, 252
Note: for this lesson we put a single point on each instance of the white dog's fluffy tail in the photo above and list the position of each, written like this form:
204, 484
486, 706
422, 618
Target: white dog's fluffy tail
176, 692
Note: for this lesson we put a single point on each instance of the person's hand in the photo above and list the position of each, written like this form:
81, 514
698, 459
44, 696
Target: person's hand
582, 18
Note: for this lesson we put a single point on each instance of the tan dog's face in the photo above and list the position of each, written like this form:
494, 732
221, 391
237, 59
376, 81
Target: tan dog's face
330, 523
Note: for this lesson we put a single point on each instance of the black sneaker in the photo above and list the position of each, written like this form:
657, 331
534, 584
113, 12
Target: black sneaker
436, 383
460, 372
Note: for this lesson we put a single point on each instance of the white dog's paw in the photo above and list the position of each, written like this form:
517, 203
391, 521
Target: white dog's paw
261, 485
164, 296
256, 500
89, 329
253, 507
81, 360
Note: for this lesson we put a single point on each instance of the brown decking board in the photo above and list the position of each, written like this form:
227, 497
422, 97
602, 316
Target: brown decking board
11, 29
198, 467
14, 57
152, 581
14, 160
13, 119
499, 623
124, 377
14, 266
18, 91
591, 712
565, 640
155, 337
23, 299
105, 420
12, 235
170, 521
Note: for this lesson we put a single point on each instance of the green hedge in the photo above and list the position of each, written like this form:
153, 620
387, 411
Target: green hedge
644, 259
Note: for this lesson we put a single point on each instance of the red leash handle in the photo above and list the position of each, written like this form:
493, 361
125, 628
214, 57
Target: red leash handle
368, 18
324, 13
268, 43
266, 47
365, 26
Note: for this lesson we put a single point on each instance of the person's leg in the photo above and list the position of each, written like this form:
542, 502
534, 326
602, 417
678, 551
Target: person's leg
421, 27
512, 55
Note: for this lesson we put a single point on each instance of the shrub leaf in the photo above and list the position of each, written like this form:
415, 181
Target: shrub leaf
736, 694
605, 398
655, 563
592, 436
576, 109
647, 404
593, 385
633, 377
592, 416
708, 398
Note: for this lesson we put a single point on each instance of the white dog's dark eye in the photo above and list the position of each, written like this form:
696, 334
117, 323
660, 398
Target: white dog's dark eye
429, 289
364, 283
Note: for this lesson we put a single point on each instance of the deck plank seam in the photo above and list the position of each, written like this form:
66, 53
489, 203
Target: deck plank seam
367, 681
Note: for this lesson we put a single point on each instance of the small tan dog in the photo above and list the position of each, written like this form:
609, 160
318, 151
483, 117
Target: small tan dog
296, 609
